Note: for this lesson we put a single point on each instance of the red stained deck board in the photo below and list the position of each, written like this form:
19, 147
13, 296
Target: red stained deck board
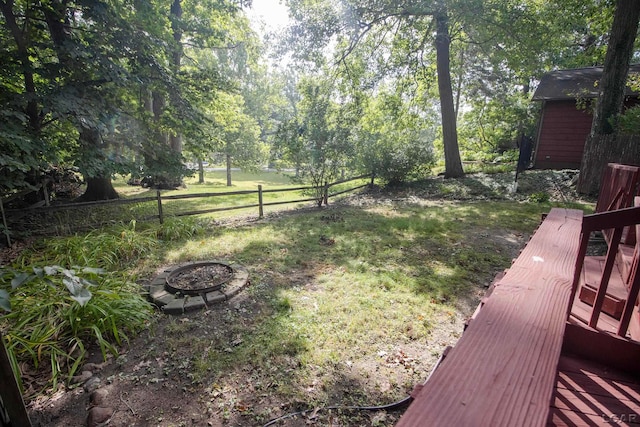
502, 370
587, 393
558, 417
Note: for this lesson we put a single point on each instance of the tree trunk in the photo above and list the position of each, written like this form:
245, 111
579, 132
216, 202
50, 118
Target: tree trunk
22, 43
98, 188
175, 140
452, 162
158, 104
614, 148
200, 172
610, 96
616, 67
11, 402
228, 158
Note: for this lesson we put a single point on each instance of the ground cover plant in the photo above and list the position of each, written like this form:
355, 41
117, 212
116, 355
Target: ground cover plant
348, 305
57, 313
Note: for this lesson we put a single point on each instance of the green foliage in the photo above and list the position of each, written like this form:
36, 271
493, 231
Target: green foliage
5, 303
317, 140
111, 248
393, 142
495, 125
181, 228
238, 132
57, 313
539, 197
629, 121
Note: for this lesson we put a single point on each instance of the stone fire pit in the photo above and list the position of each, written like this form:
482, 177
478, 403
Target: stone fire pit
196, 285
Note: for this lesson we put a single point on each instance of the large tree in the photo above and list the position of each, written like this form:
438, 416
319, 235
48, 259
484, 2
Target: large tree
319, 23
474, 49
79, 73
610, 96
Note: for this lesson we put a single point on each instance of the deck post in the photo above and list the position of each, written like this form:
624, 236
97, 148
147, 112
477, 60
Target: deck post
11, 403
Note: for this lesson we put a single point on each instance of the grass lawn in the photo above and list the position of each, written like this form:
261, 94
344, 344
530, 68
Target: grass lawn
348, 305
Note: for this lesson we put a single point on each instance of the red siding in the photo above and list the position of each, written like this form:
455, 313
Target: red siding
564, 130
562, 136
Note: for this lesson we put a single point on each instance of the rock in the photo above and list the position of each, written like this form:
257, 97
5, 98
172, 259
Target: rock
98, 415
98, 397
82, 378
92, 384
93, 367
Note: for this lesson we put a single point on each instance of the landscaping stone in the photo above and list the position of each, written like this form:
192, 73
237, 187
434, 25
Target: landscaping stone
92, 384
98, 397
175, 306
215, 297
99, 415
82, 378
176, 303
192, 303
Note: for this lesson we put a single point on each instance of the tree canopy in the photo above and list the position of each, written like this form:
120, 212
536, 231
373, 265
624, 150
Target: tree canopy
141, 88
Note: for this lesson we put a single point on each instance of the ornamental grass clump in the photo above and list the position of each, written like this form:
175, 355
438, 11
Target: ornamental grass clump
54, 314
115, 247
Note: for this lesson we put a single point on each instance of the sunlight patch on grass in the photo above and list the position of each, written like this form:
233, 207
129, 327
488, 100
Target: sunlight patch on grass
339, 288
365, 309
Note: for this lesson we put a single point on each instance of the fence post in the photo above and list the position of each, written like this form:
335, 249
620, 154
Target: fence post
10, 397
325, 193
160, 207
260, 209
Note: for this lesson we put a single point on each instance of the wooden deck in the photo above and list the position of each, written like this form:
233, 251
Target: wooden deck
587, 393
502, 371
557, 339
598, 380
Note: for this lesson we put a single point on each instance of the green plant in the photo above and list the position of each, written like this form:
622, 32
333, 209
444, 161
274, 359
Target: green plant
180, 228
539, 197
105, 248
56, 313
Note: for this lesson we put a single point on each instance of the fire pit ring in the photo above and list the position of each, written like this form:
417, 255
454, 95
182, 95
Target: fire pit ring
198, 278
179, 288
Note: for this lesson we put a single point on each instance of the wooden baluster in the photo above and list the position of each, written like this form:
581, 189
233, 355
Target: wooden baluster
631, 301
634, 281
606, 275
582, 252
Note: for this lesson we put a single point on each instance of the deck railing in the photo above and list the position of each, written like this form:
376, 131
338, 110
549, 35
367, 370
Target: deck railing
614, 223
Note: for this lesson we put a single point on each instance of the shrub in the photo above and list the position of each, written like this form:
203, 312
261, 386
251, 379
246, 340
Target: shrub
56, 313
539, 197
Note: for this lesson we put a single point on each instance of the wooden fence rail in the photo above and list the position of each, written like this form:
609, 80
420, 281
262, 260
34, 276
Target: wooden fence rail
67, 218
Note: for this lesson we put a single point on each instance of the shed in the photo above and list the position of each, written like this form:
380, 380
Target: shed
565, 118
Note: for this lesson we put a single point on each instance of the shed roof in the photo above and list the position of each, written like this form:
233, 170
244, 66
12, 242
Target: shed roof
574, 83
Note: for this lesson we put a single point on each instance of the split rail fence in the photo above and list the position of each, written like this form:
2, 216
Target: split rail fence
69, 218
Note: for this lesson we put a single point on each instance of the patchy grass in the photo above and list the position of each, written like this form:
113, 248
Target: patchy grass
348, 305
